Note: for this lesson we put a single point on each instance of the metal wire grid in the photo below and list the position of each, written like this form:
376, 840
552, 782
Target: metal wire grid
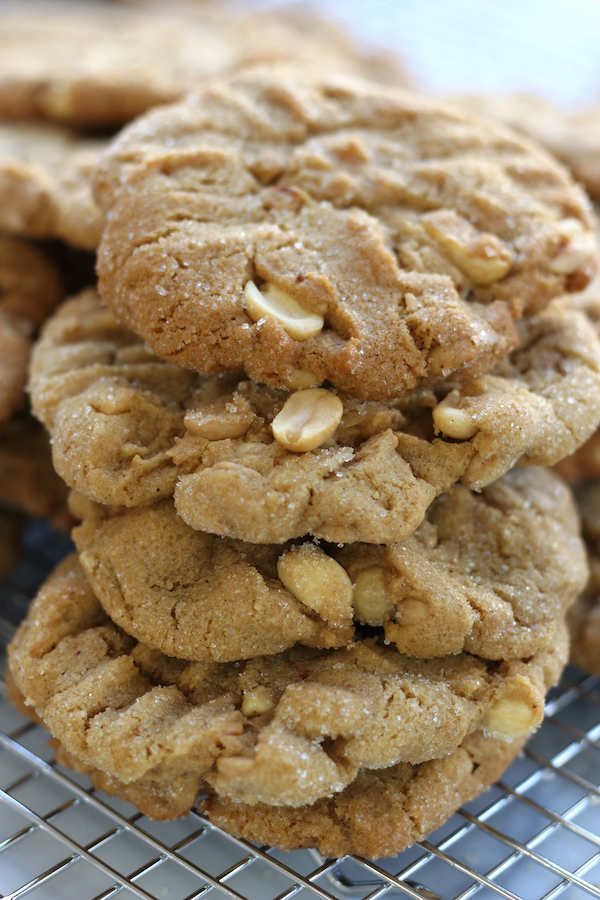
534, 836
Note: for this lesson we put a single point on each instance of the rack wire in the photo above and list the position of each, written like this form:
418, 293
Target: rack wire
534, 836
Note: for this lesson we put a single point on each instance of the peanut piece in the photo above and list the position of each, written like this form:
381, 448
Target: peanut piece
294, 319
299, 380
411, 612
257, 701
483, 258
453, 422
576, 248
307, 420
318, 581
220, 420
509, 719
234, 766
88, 561
370, 599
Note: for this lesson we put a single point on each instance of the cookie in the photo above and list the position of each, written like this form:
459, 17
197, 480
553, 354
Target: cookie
287, 729
489, 573
332, 229
573, 136
584, 616
129, 428
380, 814
201, 597
103, 395
29, 290
584, 463
45, 184
96, 65
28, 482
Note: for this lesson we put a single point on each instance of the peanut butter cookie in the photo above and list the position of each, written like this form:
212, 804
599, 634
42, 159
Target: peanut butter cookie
95, 65
333, 229
381, 813
584, 463
129, 428
29, 290
571, 135
490, 573
288, 729
45, 184
584, 616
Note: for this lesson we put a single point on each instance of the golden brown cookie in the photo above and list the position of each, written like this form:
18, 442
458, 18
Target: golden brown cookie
537, 405
286, 729
29, 290
584, 463
285, 223
584, 616
129, 428
198, 596
489, 573
573, 136
28, 482
98, 65
381, 813
45, 184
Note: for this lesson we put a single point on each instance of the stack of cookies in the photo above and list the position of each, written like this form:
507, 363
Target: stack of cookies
321, 576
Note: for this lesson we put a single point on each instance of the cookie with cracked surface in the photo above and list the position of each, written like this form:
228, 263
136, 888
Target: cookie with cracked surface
287, 729
45, 184
571, 135
201, 597
92, 65
535, 407
279, 222
380, 814
29, 289
129, 428
28, 482
489, 573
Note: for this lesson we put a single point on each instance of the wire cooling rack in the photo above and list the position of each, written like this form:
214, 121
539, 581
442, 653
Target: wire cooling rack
535, 835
